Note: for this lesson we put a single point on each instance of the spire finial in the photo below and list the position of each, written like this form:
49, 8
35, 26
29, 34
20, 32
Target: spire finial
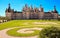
40, 5
54, 7
9, 4
55, 11
34, 7
41, 8
31, 7
26, 5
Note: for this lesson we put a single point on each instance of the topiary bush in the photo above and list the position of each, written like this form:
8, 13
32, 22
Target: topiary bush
51, 32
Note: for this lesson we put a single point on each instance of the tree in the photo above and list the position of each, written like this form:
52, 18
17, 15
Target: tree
51, 32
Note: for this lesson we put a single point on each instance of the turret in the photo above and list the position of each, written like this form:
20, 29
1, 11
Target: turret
31, 12
25, 6
55, 13
9, 6
41, 13
35, 9
41, 8
35, 13
9, 12
26, 12
31, 8
8, 9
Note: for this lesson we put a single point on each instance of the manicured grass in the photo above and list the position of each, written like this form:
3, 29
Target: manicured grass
21, 23
27, 24
13, 32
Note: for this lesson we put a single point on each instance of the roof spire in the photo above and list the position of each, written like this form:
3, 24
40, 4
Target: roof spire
26, 5
55, 11
34, 7
9, 6
54, 7
31, 7
40, 6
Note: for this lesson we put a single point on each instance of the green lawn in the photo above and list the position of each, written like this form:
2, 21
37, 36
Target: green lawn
27, 24
13, 32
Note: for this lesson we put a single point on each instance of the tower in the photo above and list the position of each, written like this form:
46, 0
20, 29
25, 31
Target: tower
9, 12
41, 12
41, 8
26, 12
32, 11
35, 13
55, 13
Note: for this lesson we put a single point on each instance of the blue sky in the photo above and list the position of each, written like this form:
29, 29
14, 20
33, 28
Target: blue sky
18, 4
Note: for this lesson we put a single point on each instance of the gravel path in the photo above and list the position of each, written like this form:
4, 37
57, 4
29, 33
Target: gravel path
4, 35
44, 23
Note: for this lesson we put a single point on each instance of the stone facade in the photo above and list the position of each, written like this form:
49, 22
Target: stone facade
31, 13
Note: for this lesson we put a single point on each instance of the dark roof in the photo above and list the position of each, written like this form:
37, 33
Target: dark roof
47, 12
17, 12
55, 11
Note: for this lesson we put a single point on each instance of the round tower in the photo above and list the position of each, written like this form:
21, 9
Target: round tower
36, 13
9, 12
41, 12
31, 12
55, 13
26, 12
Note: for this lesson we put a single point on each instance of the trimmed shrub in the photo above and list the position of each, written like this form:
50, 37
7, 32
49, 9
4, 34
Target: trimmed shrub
51, 32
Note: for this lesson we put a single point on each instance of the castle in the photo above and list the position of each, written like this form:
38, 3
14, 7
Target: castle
31, 13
